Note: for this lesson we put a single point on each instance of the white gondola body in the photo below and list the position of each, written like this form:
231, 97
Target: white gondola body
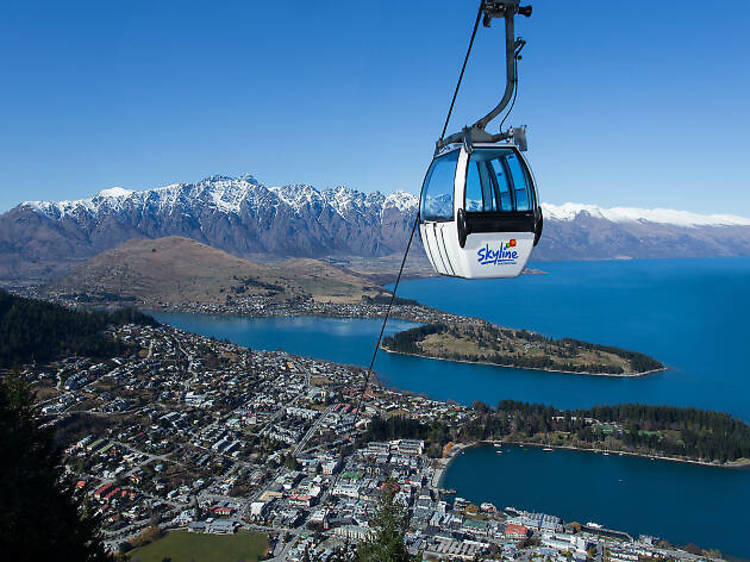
484, 254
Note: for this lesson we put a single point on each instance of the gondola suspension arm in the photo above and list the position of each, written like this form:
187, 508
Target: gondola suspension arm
506, 9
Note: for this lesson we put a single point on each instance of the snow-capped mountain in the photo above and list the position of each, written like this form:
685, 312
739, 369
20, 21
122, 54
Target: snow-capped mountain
238, 215
241, 216
570, 211
582, 232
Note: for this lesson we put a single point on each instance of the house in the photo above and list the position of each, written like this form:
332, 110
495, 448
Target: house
305, 500
516, 532
330, 467
222, 511
221, 527
99, 492
257, 508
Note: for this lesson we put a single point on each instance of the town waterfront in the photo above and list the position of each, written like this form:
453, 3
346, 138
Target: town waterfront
690, 314
680, 502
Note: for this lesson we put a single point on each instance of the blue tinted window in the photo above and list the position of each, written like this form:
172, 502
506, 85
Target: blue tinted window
505, 184
437, 196
480, 196
521, 183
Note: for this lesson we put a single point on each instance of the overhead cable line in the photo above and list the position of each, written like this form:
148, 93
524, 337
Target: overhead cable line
463, 68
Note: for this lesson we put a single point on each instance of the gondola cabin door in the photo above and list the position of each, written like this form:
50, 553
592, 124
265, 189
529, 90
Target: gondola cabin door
479, 215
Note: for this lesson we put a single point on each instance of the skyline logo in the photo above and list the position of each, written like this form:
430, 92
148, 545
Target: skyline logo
506, 254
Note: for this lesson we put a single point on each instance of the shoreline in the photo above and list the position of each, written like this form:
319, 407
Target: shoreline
406, 318
409, 310
586, 373
486, 443
444, 463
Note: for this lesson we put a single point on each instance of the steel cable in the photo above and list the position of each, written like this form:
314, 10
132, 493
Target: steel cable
463, 68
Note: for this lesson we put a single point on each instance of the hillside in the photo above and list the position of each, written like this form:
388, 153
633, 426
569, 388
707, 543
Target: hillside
33, 330
42, 240
175, 270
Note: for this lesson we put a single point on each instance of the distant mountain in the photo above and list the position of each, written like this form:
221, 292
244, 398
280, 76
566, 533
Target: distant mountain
237, 215
585, 232
40, 240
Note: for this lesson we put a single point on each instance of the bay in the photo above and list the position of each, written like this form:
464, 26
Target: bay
681, 502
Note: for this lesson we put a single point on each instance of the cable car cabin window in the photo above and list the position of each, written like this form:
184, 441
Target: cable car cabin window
496, 181
437, 198
521, 183
480, 196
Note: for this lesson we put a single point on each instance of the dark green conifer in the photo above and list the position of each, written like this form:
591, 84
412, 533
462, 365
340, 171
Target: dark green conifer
40, 518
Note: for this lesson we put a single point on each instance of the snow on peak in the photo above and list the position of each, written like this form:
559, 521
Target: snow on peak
570, 211
230, 195
297, 195
114, 192
402, 200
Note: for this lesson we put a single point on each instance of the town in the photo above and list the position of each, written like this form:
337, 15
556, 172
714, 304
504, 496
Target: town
191, 434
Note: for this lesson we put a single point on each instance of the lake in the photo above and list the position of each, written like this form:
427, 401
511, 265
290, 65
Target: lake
690, 314
684, 503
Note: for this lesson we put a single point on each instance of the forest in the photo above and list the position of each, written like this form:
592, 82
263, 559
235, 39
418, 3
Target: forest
684, 433
34, 330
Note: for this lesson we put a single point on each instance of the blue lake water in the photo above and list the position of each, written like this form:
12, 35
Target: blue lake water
693, 315
690, 314
681, 502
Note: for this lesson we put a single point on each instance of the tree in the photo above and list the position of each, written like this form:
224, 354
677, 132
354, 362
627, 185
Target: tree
40, 517
385, 543
291, 462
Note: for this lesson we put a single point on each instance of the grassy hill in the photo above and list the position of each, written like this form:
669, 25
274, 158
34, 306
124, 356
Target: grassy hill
177, 270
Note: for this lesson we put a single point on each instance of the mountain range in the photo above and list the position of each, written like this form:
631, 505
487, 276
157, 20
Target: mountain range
42, 240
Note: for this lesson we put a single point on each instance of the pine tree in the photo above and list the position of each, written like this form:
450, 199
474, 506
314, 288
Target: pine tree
385, 542
40, 519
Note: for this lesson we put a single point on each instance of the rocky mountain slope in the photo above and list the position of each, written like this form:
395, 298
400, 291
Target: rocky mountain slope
42, 240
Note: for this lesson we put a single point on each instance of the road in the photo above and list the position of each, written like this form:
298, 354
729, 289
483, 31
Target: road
310, 432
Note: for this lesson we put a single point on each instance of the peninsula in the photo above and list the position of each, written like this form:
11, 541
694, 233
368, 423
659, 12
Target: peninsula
473, 340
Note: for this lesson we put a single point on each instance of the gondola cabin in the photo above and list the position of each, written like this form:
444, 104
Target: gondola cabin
479, 215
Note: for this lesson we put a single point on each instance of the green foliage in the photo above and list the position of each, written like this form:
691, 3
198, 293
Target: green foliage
388, 528
34, 330
290, 462
386, 299
660, 430
40, 518
640, 362
435, 435
664, 430
406, 341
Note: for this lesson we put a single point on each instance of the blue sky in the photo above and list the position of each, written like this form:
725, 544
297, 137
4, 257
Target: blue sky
626, 103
